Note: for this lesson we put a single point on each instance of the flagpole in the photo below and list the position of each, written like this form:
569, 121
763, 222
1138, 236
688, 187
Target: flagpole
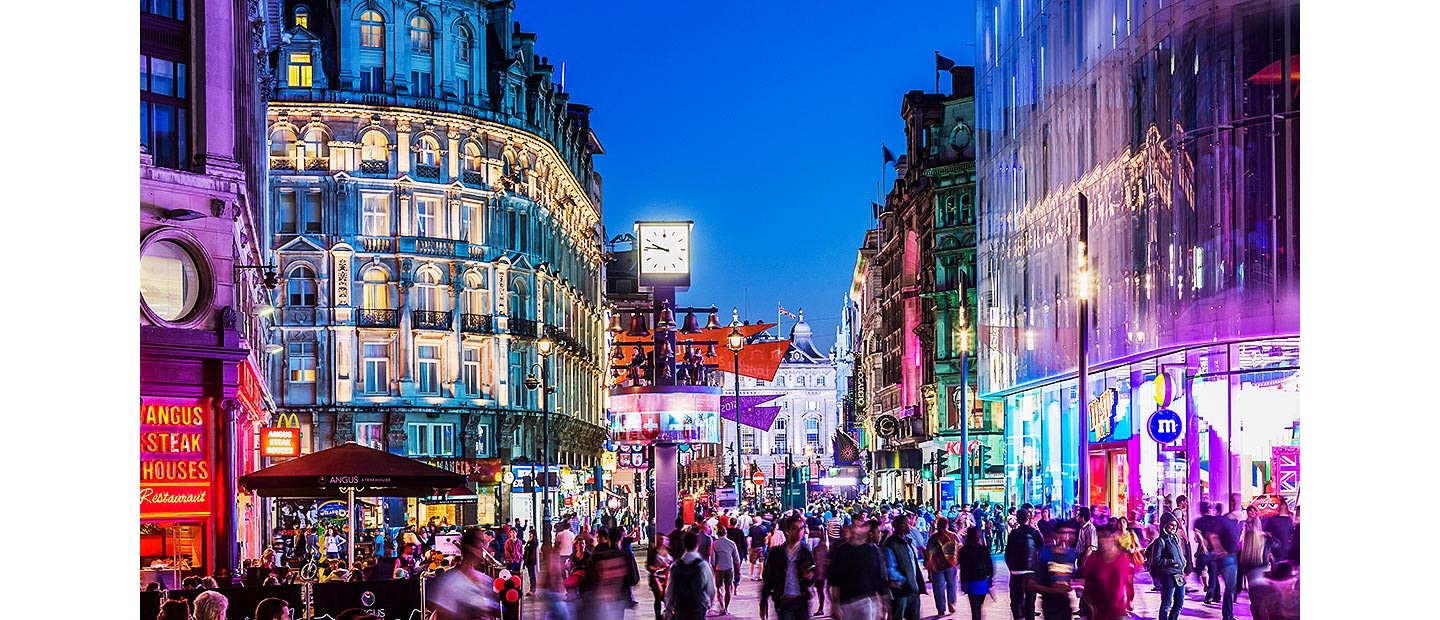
937, 72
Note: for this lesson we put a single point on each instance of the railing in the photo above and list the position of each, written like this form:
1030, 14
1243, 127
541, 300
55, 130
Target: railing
434, 247
378, 244
375, 166
282, 163
377, 317
473, 177
429, 171
523, 327
315, 164
477, 323
430, 319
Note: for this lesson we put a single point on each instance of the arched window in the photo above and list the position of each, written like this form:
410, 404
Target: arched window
519, 300
812, 432
375, 294
420, 35
302, 17
473, 159
301, 287
317, 149
282, 143
477, 293
374, 147
782, 437
427, 291
463, 45
800, 381
372, 30
428, 153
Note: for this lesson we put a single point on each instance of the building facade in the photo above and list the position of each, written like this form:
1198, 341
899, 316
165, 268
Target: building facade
437, 223
202, 282
1179, 124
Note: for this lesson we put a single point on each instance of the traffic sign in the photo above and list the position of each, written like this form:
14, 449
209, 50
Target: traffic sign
758, 479
1165, 426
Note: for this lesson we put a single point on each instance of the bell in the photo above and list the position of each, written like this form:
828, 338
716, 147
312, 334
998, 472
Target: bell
638, 326
692, 324
615, 327
667, 352
667, 319
710, 350
714, 322
617, 353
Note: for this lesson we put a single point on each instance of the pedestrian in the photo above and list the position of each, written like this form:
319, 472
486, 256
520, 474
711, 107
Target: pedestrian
691, 584
820, 550
1169, 562
174, 609
530, 558
758, 534
657, 562
1130, 546
942, 559
1051, 579
725, 561
210, 605
677, 539
789, 569
1280, 527
273, 609
604, 589
466, 591
855, 591
976, 574
1108, 573
1275, 594
513, 551
564, 540
737, 536
1254, 553
1223, 542
902, 566
1022, 554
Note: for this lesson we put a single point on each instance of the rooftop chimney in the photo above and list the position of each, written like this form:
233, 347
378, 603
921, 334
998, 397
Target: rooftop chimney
962, 82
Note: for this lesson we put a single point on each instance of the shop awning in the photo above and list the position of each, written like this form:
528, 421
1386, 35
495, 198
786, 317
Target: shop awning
370, 472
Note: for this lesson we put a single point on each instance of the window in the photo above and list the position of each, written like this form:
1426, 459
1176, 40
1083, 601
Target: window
820, 381
430, 439
283, 143
474, 162
780, 381
301, 287
370, 434
374, 147
287, 212
169, 280
302, 17
429, 152
375, 293
372, 30
376, 359
463, 44
474, 222
420, 41
477, 293
782, 438
301, 359
812, 433
428, 368
372, 79
316, 145
423, 85
427, 291
301, 70
375, 215
311, 211
482, 440
173, 9
470, 374
747, 442
165, 109
800, 381
427, 217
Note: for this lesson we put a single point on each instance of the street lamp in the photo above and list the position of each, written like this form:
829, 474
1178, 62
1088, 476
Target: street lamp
542, 384
1084, 284
735, 342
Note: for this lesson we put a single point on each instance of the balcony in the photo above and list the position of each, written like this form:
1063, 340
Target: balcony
430, 319
379, 245
377, 317
525, 328
432, 246
374, 166
428, 171
317, 164
282, 163
473, 178
477, 323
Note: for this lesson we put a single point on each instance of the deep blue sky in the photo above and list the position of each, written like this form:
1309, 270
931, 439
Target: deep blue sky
761, 122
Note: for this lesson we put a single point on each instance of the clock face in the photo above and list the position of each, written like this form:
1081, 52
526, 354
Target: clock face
665, 248
960, 136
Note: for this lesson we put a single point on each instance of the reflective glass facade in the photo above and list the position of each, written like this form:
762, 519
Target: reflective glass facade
1180, 123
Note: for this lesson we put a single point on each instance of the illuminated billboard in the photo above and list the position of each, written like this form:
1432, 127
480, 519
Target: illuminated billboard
678, 414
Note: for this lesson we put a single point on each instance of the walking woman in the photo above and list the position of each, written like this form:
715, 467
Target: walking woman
1130, 546
976, 574
531, 553
658, 561
1168, 567
1254, 549
941, 557
1108, 574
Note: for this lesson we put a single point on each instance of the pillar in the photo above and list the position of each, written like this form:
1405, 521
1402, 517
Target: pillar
667, 495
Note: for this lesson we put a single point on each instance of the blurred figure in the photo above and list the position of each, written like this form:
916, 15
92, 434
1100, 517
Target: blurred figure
942, 557
174, 609
820, 549
855, 591
1107, 573
1254, 553
1280, 527
273, 609
1275, 594
1129, 545
1022, 557
604, 589
210, 605
657, 562
466, 592
976, 573
691, 585
902, 566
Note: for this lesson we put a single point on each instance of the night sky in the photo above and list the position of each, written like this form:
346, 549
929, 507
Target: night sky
761, 122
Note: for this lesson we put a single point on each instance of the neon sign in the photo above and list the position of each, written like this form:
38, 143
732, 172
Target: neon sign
1102, 414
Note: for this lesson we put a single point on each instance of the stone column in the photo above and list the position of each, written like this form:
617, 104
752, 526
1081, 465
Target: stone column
402, 147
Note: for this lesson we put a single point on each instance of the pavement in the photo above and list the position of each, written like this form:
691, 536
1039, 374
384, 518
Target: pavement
746, 603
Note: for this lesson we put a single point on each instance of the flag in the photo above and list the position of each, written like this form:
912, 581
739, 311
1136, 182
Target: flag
889, 157
942, 63
788, 313
876, 210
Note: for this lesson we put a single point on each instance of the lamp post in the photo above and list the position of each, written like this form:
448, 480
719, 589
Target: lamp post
964, 416
1082, 487
735, 342
542, 384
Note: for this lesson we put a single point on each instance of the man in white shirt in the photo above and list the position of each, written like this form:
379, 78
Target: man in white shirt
744, 523
565, 541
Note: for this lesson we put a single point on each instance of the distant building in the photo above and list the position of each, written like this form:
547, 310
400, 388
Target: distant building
436, 216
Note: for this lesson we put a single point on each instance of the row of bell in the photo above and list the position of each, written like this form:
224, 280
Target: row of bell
617, 353
639, 325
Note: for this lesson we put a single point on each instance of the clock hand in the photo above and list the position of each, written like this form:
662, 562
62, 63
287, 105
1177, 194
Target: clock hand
657, 247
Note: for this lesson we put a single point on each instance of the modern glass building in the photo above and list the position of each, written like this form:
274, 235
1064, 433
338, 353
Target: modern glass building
1180, 123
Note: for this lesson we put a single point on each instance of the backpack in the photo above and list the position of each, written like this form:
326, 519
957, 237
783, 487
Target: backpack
685, 581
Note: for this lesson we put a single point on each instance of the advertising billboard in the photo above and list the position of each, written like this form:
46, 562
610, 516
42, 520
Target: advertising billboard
638, 416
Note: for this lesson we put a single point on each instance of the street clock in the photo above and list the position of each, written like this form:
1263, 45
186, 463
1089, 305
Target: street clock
664, 253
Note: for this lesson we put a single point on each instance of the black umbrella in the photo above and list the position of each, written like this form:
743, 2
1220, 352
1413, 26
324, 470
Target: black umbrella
348, 469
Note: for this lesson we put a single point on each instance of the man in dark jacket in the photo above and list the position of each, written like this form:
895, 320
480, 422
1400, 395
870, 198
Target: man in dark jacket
902, 566
855, 590
789, 569
1022, 551
677, 539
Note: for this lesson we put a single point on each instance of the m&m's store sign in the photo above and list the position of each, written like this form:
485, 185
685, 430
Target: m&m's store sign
174, 457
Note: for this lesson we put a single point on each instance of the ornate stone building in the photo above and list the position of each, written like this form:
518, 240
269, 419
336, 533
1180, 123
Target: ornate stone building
437, 218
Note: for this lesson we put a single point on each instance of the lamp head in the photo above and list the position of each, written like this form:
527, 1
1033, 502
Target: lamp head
531, 383
736, 340
271, 280
545, 345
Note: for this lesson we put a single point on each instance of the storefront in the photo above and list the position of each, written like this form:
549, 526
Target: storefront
1232, 410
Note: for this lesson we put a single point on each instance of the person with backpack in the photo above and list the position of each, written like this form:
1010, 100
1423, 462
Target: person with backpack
1022, 553
690, 585
1169, 562
942, 561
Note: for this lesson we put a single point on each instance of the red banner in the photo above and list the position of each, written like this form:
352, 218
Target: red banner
758, 360
174, 457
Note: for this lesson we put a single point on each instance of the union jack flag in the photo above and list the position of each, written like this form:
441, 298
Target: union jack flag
785, 312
